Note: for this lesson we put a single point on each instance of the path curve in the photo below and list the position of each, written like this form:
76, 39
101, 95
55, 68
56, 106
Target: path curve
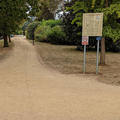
30, 91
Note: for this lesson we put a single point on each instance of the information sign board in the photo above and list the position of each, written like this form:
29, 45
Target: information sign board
92, 24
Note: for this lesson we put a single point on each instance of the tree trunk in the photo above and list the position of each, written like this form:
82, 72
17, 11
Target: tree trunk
5, 41
23, 32
9, 39
102, 56
107, 3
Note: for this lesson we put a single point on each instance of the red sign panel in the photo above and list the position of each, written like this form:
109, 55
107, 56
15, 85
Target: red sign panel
85, 40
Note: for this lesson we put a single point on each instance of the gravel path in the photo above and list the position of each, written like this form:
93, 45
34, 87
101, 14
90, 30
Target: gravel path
31, 91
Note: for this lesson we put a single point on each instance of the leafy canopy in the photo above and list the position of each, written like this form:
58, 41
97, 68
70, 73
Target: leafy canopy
47, 9
12, 12
110, 8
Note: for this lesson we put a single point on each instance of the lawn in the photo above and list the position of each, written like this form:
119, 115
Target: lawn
67, 60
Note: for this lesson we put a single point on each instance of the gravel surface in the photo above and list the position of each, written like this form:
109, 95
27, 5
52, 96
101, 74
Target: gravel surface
31, 91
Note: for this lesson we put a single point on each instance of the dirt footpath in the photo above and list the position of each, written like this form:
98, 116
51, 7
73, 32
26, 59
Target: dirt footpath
31, 91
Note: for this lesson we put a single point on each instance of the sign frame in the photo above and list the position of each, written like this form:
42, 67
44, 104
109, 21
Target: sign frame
92, 24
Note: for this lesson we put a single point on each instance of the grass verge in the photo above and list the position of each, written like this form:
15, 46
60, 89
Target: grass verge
67, 60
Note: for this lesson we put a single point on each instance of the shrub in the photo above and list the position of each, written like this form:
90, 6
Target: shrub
56, 35
30, 30
53, 35
41, 33
51, 23
73, 32
25, 25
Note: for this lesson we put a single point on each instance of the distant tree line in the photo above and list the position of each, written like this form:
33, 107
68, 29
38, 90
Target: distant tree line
12, 13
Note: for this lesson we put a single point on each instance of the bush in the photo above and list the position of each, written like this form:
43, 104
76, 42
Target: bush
56, 35
46, 31
113, 46
71, 30
41, 33
53, 35
25, 25
116, 47
30, 30
51, 23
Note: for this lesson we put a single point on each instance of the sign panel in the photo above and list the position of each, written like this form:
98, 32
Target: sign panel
85, 40
98, 38
92, 24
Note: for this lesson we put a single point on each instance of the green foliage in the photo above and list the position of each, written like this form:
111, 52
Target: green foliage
44, 11
47, 9
111, 10
71, 30
50, 31
111, 15
13, 12
42, 32
19, 32
30, 30
25, 25
56, 35
51, 23
111, 24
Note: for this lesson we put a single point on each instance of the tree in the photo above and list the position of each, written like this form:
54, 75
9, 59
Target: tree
71, 30
47, 9
12, 13
111, 10
44, 11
